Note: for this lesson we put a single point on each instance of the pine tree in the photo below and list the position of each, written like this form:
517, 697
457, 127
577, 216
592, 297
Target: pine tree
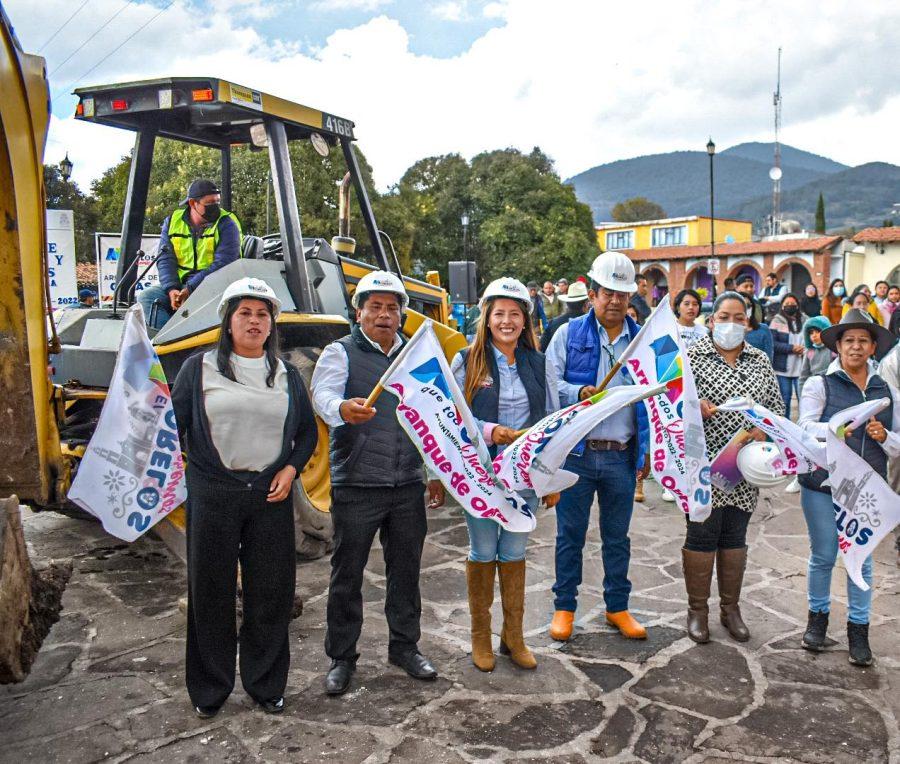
820, 214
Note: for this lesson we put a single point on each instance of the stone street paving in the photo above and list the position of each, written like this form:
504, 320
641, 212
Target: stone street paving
108, 682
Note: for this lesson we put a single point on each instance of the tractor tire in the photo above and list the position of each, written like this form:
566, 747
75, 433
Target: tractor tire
312, 492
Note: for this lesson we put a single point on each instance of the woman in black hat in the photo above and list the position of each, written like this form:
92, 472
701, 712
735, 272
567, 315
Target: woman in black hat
850, 380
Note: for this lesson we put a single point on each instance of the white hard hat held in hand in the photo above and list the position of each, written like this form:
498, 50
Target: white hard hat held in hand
380, 281
511, 288
249, 287
753, 462
614, 271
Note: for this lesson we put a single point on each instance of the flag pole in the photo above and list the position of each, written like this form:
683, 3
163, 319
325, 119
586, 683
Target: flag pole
379, 388
626, 353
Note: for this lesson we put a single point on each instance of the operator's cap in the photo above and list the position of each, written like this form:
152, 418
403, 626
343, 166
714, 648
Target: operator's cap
613, 270
510, 288
381, 281
200, 188
248, 286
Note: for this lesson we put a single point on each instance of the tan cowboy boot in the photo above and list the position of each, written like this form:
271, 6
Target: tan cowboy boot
512, 594
480, 579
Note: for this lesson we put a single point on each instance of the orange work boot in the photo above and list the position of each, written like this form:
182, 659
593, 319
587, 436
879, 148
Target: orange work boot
561, 625
627, 626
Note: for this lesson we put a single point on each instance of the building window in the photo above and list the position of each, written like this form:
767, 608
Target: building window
620, 240
669, 237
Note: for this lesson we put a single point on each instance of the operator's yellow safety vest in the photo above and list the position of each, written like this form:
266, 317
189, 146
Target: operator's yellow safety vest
196, 254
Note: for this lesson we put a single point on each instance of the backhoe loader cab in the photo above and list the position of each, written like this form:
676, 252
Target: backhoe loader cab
312, 278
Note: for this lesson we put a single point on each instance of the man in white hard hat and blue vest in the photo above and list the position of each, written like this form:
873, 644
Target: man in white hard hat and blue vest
377, 484
613, 455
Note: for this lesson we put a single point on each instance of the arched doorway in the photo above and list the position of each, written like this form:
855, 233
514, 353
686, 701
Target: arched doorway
658, 283
795, 277
701, 280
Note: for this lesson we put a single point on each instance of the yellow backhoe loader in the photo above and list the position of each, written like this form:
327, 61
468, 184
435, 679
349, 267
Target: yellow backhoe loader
55, 370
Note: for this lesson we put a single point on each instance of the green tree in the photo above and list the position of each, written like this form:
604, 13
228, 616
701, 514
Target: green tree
637, 208
66, 195
820, 214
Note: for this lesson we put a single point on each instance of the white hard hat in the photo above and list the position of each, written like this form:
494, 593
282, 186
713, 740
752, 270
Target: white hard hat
753, 460
249, 287
615, 271
511, 288
380, 281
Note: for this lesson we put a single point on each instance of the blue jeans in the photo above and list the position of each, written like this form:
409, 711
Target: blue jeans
611, 476
788, 386
818, 510
488, 541
156, 294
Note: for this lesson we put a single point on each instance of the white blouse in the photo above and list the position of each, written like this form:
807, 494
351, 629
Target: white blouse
246, 417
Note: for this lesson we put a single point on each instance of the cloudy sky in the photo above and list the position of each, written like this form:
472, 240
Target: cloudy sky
587, 81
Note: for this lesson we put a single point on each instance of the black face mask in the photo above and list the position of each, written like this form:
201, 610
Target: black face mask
211, 212
790, 310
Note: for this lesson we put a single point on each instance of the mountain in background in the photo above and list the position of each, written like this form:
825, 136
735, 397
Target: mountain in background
679, 181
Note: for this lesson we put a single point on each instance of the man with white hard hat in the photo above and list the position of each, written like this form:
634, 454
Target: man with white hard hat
377, 484
613, 455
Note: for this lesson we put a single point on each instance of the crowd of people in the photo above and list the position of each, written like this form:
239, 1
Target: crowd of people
532, 350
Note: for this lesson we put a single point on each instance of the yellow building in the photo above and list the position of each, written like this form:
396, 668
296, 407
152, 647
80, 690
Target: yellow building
671, 232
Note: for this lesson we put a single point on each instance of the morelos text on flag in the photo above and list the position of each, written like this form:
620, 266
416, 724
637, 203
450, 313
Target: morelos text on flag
433, 412
533, 461
132, 473
866, 509
800, 451
677, 442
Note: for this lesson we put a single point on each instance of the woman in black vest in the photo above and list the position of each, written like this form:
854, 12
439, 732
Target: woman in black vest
510, 386
848, 382
249, 429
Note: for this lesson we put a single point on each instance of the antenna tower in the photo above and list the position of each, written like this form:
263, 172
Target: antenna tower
775, 172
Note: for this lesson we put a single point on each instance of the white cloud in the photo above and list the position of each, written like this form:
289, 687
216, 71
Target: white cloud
588, 83
349, 5
494, 10
451, 10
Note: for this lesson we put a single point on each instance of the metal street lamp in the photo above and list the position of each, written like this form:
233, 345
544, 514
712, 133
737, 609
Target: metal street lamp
711, 150
465, 225
65, 168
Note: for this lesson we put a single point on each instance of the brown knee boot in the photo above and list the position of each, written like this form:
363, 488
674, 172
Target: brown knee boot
480, 578
512, 594
698, 568
730, 564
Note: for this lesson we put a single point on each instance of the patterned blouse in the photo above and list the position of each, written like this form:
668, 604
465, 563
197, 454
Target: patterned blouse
751, 376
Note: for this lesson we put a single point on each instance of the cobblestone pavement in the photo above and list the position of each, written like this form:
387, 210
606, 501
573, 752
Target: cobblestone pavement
109, 680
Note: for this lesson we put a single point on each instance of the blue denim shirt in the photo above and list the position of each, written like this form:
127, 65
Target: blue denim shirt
621, 426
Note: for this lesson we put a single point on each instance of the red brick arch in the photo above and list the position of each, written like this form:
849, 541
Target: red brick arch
732, 272
792, 261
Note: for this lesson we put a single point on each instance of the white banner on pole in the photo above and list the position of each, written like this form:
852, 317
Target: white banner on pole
107, 248
61, 258
132, 473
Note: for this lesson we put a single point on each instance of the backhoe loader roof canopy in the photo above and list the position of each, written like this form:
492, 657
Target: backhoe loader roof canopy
209, 112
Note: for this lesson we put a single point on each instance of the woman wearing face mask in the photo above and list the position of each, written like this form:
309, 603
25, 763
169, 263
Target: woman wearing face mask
849, 380
787, 335
833, 302
510, 386
817, 357
810, 304
724, 366
861, 299
248, 426
889, 306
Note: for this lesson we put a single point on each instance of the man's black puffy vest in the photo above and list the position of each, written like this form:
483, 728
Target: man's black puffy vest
377, 453
841, 393
532, 370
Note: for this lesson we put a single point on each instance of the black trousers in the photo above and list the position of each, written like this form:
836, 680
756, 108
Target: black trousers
398, 516
725, 528
225, 526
